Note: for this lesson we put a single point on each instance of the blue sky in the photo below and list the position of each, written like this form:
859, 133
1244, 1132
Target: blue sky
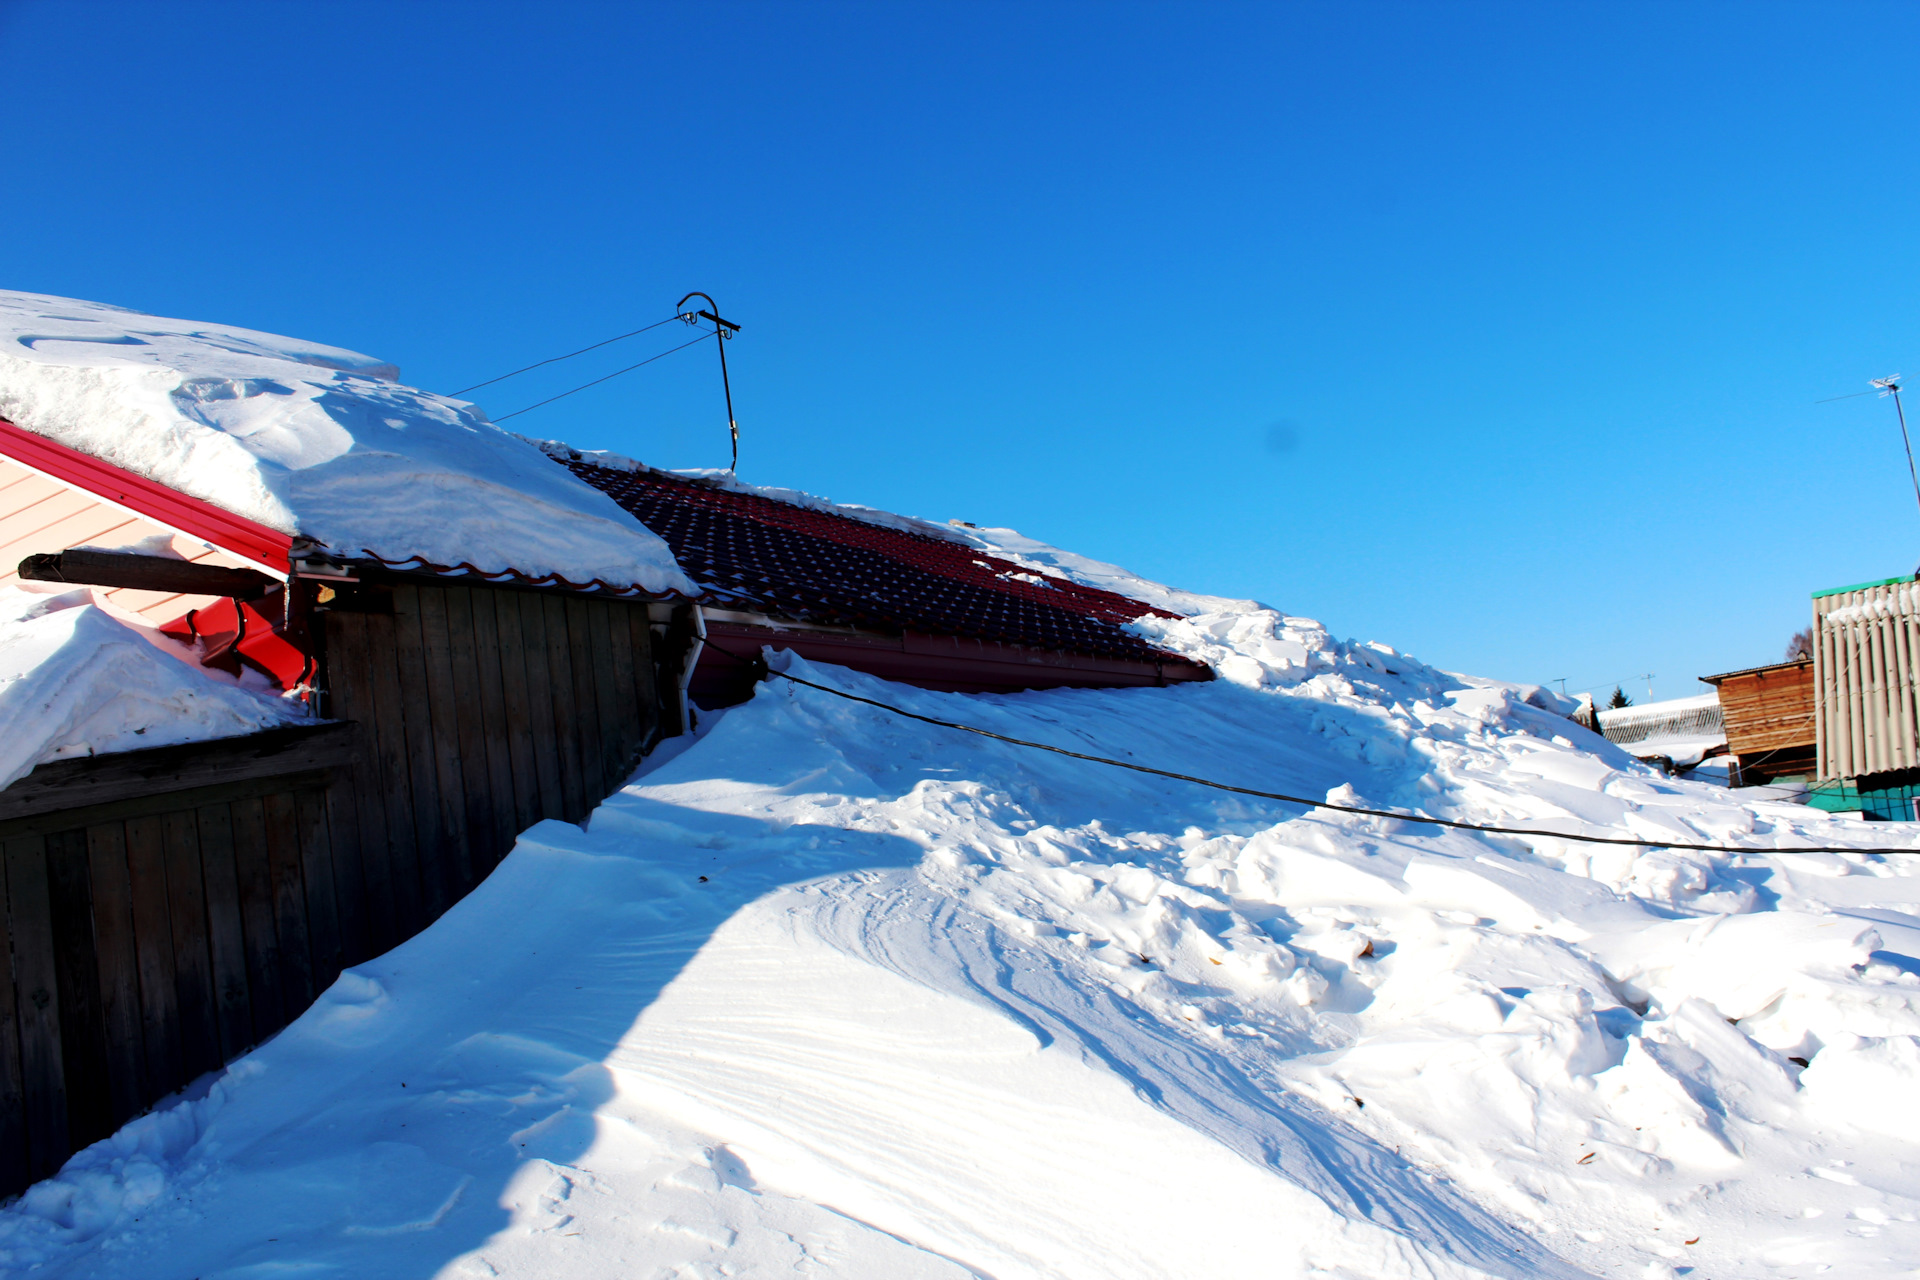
1494, 333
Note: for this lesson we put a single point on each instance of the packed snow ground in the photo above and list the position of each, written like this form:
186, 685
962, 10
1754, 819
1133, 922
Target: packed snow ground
79, 677
310, 440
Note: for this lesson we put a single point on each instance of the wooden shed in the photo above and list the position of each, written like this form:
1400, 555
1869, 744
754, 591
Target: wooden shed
1768, 713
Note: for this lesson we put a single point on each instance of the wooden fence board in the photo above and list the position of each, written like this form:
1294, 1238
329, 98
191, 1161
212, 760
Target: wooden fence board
628, 666
42, 1067
318, 875
259, 935
615, 724
540, 698
518, 709
477, 850
14, 1168
226, 944
83, 1032
350, 892
192, 958
289, 901
490, 697
358, 822
119, 968
399, 791
585, 706
153, 952
443, 703
566, 708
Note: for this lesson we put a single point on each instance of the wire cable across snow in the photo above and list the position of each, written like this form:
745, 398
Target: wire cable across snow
759, 664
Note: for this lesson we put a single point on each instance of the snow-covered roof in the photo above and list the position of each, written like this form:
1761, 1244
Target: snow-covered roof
1682, 730
311, 440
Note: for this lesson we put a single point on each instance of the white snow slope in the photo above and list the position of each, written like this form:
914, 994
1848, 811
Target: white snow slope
310, 440
827, 992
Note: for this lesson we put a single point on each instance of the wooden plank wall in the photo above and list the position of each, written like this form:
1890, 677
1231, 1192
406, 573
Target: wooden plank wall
486, 709
1769, 708
149, 941
166, 910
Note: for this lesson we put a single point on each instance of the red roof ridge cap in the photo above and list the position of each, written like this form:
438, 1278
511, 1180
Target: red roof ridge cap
263, 545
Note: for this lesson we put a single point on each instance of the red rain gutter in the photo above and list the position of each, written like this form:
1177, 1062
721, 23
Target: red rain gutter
195, 517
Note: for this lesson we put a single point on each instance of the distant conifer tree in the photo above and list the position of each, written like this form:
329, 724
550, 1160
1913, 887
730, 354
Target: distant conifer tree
1801, 646
1619, 699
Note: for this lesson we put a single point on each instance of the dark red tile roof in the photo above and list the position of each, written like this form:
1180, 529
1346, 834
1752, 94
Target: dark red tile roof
764, 556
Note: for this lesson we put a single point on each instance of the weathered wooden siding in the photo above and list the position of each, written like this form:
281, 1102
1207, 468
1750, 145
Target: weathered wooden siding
485, 710
166, 910
1768, 708
176, 915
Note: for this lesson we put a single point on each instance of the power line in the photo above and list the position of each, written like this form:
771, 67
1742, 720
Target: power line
570, 355
1891, 387
760, 665
597, 381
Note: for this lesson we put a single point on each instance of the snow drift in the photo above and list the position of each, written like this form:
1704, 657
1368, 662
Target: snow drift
827, 991
310, 440
1013, 1015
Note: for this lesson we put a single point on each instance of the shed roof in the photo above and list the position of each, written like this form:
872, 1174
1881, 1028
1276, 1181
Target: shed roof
762, 555
1769, 669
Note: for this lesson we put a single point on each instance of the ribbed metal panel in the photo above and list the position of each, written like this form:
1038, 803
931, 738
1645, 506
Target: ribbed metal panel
1865, 653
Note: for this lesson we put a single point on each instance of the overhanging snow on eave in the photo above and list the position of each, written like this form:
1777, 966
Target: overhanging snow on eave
196, 518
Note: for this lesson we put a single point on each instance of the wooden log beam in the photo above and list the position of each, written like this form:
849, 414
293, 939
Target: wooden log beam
70, 784
146, 573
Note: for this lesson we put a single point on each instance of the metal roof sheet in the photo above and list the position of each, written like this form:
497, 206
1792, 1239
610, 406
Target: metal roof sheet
759, 554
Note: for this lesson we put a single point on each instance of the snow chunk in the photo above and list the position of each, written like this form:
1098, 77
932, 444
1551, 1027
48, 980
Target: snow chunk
79, 678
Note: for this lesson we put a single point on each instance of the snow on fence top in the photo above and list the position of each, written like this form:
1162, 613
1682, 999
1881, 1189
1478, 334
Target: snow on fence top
311, 440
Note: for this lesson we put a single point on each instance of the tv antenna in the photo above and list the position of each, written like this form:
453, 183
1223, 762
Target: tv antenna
1891, 387
722, 330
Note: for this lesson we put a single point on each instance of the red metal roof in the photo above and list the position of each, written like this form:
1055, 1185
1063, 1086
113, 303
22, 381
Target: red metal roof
196, 517
761, 555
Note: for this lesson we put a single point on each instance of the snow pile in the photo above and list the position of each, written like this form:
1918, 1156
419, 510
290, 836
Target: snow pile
79, 677
310, 440
831, 992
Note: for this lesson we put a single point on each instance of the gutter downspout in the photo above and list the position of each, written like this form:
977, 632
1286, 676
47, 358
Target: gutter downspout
694, 647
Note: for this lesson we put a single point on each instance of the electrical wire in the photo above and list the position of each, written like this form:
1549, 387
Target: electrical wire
597, 381
570, 355
760, 665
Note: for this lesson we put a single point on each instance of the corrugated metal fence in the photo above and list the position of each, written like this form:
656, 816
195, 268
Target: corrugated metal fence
1865, 647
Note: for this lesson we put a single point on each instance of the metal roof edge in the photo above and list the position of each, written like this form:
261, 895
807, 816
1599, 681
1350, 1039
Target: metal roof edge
1751, 671
164, 505
1863, 586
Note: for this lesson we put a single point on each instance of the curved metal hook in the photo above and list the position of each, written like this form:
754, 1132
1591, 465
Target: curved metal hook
720, 336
